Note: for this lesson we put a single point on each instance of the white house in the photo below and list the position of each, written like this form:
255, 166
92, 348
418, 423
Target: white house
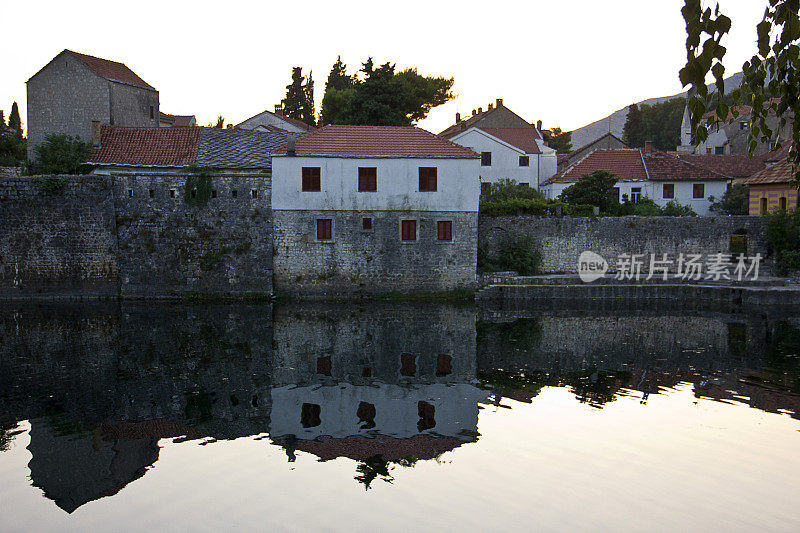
517, 154
372, 209
659, 176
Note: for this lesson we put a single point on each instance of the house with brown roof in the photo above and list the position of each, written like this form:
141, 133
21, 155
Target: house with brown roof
660, 176
275, 121
774, 187
609, 141
75, 90
374, 208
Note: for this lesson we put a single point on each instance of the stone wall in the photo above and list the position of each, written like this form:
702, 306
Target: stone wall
561, 240
357, 261
57, 243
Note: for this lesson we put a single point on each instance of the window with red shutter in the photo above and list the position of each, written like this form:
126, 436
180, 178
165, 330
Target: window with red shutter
366, 224
324, 229
408, 230
367, 179
311, 179
427, 179
445, 230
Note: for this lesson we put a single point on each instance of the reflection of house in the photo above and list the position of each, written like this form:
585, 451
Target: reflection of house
269, 121
166, 120
74, 90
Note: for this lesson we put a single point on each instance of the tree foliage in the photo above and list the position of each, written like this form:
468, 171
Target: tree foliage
62, 154
380, 96
783, 235
633, 132
299, 100
735, 201
560, 141
14, 121
771, 81
505, 189
595, 189
659, 123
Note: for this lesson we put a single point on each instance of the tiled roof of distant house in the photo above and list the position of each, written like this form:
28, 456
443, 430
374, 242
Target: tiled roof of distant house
609, 134
111, 70
626, 164
472, 120
735, 166
280, 116
176, 147
522, 138
392, 141
664, 167
782, 172
178, 120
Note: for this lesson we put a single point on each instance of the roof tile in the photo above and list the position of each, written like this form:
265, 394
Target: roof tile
111, 70
522, 138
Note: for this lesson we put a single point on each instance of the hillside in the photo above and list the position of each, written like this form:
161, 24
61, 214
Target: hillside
615, 122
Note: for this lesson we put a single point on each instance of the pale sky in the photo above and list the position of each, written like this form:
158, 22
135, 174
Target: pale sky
566, 62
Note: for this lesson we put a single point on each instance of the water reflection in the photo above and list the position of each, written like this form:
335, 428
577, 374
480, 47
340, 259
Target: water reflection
386, 386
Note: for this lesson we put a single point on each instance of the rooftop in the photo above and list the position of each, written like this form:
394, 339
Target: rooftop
782, 172
627, 164
522, 138
111, 70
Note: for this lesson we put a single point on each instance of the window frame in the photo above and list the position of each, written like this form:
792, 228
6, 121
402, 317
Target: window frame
415, 240
367, 183
426, 180
440, 221
371, 225
307, 183
664, 191
486, 159
694, 191
526, 159
317, 237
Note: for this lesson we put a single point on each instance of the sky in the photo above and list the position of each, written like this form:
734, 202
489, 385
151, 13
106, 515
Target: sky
565, 62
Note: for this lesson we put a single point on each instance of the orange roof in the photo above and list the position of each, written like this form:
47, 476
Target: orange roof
522, 138
148, 146
664, 167
782, 172
111, 70
626, 164
735, 166
397, 141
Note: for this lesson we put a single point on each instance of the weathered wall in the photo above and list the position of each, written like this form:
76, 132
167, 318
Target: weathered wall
57, 244
561, 240
131, 106
372, 261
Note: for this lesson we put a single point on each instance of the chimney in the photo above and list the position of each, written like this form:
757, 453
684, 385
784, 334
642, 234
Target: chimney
458, 118
490, 107
96, 133
279, 109
539, 125
499, 102
290, 147
648, 147
480, 110
473, 112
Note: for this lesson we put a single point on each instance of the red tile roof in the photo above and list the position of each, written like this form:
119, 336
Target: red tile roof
111, 70
398, 141
664, 167
522, 138
778, 173
735, 166
626, 164
147, 146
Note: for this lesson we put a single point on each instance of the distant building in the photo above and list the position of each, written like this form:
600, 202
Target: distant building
609, 141
74, 90
167, 121
774, 187
275, 121
373, 209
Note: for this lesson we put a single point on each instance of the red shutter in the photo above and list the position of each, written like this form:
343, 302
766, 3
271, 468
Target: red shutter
445, 230
366, 223
427, 179
324, 229
311, 179
409, 230
367, 179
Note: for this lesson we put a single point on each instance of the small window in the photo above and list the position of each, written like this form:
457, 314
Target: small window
486, 188
444, 365
408, 364
324, 365
310, 415
254, 193
669, 191
366, 224
427, 416
367, 179
743, 125
764, 207
311, 179
130, 193
524, 161
172, 193
719, 150
152, 112
234, 192
486, 159
324, 229
152, 193
408, 230
213, 193
782, 203
636, 194
444, 230
698, 190
427, 179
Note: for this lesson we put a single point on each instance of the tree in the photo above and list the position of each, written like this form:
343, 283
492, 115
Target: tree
735, 201
770, 83
299, 101
338, 78
595, 189
14, 121
308, 112
633, 132
62, 154
2, 120
560, 141
220, 122
661, 123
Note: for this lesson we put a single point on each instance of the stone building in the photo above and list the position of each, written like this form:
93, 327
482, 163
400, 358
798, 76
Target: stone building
275, 121
174, 238
74, 90
374, 209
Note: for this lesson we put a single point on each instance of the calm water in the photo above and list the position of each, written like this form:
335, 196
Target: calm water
397, 417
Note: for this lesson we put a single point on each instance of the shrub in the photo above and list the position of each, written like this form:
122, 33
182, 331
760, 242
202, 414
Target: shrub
62, 154
735, 201
596, 189
532, 206
198, 187
519, 253
674, 209
50, 184
783, 234
507, 189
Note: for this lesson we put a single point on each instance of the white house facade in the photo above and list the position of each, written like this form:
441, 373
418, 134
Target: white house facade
372, 209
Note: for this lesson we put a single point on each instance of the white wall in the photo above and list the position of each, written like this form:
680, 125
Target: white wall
458, 186
684, 192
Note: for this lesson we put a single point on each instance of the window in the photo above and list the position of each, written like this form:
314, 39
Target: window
698, 190
254, 193
636, 194
743, 125
324, 229
486, 159
524, 161
719, 150
152, 113
310, 415
172, 193
486, 188
311, 179
408, 364
366, 224
427, 179
130, 193
152, 193
782, 203
234, 192
444, 230
366, 415
367, 179
408, 230
213, 193
427, 416
615, 194
669, 191
444, 365
324, 365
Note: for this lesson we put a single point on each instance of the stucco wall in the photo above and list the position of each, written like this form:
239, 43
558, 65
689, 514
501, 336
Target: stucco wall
561, 240
773, 194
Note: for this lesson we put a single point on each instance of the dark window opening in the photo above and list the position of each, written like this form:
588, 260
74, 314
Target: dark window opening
366, 415
172, 193
782, 203
739, 243
764, 206
152, 112
486, 188
698, 190
524, 161
444, 365
409, 230
234, 192
254, 193
152, 193
311, 179
367, 179
324, 229
669, 191
636, 194
719, 150
408, 364
130, 193
486, 159
366, 372
366, 224
324, 365
427, 416
444, 230
427, 179
310, 415
213, 193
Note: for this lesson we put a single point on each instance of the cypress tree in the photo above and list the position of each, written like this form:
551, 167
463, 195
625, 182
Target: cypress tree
14, 121
295, 95
633, 133
308, 111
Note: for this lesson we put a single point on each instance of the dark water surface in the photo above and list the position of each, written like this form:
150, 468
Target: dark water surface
397, 417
